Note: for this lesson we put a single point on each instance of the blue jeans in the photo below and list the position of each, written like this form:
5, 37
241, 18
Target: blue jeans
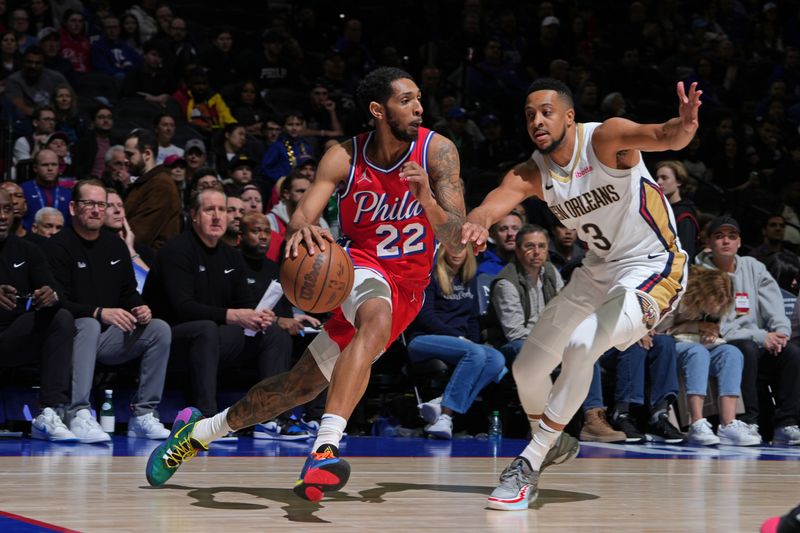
511, 349
697, 363
595, 397
475, 366
661, 366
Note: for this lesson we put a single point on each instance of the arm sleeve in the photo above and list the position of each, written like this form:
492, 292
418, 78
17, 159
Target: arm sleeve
770, 304
510, 313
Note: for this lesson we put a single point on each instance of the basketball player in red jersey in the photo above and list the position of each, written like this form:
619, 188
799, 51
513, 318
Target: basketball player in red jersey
399, 188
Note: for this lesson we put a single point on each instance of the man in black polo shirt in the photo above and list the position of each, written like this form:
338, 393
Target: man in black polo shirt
113, 324
33, 326
198, 285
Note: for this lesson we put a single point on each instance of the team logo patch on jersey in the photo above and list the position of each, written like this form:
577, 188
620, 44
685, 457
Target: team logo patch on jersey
649, 311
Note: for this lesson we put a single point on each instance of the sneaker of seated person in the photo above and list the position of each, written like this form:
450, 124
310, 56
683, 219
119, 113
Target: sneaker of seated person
147, 427
787, 435
737, 433
622, 422
86, 428
275, 430
310, 426
430, 411
442, 428
597, 429
49, 426
700, 433
662, 430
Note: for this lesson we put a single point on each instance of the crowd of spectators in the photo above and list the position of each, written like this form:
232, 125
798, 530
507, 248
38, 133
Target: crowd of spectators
155, 135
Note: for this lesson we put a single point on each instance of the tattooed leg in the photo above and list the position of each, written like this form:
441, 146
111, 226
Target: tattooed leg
274, 395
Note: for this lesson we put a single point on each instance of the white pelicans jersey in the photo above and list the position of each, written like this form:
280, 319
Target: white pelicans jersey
622, 215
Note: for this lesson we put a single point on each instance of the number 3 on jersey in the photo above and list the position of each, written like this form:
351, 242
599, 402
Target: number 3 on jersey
399, 242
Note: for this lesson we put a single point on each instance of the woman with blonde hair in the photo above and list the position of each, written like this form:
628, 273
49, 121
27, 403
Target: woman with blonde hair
703, 353
447, 329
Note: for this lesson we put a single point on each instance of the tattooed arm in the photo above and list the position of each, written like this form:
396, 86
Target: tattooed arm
444, 205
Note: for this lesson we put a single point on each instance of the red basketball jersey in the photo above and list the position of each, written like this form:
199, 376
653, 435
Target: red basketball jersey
380, 219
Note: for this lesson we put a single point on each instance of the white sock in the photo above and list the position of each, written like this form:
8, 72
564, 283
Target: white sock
208, 430
330, 431
542, 441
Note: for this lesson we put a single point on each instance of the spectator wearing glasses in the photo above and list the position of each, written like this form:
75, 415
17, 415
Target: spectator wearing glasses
95, 277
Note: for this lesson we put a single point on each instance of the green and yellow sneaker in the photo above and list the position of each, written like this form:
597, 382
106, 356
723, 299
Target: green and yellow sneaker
179, 447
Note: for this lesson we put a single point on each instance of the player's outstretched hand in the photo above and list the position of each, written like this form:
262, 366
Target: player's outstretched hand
415, 176
689, 106
313, 236
476, 235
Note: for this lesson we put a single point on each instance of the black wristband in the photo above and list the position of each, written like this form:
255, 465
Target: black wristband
98, 313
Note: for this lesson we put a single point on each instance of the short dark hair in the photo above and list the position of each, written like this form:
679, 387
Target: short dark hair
37, 112
377, 86
157, 119
550, 84
81, 184
145, 140
33, 50
527, 229
101, 107
286, 184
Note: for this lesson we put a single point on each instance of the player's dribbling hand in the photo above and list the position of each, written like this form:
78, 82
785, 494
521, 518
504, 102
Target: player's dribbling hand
476, 235
689, 106
418, 182
313, 236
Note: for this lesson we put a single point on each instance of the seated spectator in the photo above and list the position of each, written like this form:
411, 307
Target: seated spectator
522, 288
47, 222
282, 155
90, 151
447, 329
111, 54
322, 121
75, 46
21, 26
44, 124
221, 59
503, 234
784, 267
129, 31
33, 85
115, 174
234, 139
260, 271
251, 196
68, 119
50, 43
44, 190
150, 80
204, 109
10, 58
209, 307
456, 130
566, 252
292, 190
497, 151
152, 204
164, 125
113, 325
773, 231
19, 207
181, 49
195, 155
57, 142
758, 326
235, 212
672, 177
703, 353
177, 169
240, 171
654, 356
34, 328
249, 109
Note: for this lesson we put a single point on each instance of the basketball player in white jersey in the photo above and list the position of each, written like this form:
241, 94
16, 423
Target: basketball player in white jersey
593, 179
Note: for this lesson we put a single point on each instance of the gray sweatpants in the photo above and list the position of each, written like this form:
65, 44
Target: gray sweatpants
114, 347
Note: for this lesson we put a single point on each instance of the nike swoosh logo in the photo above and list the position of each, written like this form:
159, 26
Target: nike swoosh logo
229, 270
548, 186
17, 265
115, 262
653, 256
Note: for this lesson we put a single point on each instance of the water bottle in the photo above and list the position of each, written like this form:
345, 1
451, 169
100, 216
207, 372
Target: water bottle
495, 426
107, 421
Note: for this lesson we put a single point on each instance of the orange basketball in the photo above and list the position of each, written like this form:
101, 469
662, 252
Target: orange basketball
317, 283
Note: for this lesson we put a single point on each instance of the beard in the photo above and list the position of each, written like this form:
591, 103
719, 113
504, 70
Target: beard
555, 144
398, 132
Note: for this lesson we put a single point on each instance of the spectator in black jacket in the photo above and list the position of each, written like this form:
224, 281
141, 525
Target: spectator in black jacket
89, 153
95, 277
33, 326
199, 286
671, 177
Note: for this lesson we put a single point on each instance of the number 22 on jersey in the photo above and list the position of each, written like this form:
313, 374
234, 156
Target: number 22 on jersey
400, 242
